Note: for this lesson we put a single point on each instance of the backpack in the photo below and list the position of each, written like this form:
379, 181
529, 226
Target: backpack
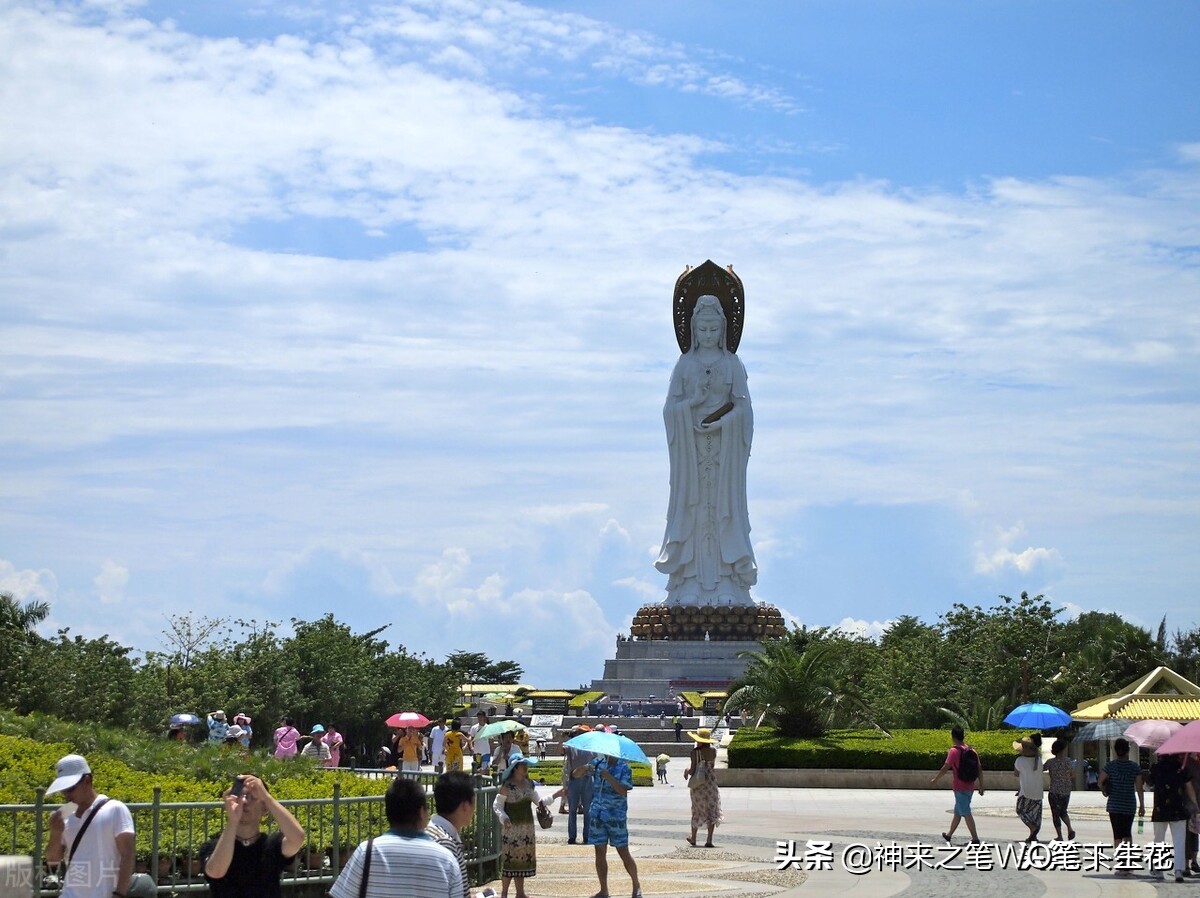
968, 764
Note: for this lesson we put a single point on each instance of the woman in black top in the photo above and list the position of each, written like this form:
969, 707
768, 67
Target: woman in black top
1172, 792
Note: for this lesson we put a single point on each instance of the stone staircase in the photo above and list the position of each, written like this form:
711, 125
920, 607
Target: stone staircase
645, 731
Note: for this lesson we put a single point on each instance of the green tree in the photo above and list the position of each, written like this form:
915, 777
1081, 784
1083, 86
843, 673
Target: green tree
907, 674
1185, 653
336, 670
476, 667
1009, 652
18, 639
1100, 653
82, 680
803, 685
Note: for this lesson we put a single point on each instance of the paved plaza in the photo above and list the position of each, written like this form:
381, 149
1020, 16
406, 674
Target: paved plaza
742, 863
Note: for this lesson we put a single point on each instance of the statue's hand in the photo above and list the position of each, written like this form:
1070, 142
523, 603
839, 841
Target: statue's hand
709, 428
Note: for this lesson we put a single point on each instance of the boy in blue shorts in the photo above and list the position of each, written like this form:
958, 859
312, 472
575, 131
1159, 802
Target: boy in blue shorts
608, 816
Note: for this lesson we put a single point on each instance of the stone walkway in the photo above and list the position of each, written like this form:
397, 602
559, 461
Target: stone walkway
743, 864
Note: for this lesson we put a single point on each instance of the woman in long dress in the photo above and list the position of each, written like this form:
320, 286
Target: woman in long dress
514, 806
710, 424
702, 785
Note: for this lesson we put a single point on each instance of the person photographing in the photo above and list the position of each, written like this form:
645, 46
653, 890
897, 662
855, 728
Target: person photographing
243, 861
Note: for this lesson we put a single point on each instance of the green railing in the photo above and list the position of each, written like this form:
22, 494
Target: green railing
170, 853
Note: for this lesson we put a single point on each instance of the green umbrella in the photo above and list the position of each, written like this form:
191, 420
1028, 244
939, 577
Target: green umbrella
493, 730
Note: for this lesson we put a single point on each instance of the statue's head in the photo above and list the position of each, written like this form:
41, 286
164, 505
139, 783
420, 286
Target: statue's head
708, 321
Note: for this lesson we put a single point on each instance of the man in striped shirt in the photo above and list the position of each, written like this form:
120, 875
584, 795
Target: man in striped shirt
405, 862
454, 798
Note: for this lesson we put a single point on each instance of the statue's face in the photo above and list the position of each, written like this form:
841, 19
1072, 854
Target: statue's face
708, 331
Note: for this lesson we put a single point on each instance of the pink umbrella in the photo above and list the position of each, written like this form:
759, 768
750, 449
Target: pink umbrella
1152, 733
1186, 740
407, 719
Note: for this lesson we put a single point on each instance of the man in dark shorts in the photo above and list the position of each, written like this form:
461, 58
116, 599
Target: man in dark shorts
245, 862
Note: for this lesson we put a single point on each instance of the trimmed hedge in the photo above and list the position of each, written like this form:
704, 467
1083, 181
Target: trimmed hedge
549, 773
577, 702
867, 749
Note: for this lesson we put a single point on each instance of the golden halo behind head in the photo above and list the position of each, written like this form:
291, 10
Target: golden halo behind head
709, 279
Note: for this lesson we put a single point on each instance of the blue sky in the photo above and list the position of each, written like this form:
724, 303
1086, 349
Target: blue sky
365, 308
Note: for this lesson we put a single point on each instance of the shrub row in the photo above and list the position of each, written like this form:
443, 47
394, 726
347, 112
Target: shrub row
867, 749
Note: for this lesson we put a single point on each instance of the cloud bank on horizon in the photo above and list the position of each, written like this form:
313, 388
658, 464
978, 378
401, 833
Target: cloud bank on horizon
365, 309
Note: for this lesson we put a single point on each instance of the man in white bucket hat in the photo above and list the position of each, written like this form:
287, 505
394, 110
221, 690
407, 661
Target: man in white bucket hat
95, 835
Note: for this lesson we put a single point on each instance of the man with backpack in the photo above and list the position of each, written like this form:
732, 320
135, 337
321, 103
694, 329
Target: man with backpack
962, 762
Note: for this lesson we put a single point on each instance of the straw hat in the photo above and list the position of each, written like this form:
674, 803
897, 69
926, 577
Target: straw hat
704, 735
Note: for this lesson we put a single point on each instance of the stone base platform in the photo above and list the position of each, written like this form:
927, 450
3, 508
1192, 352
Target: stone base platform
651, 667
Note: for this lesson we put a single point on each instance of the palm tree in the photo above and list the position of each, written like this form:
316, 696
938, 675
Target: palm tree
21, 619
18, 625
803, 691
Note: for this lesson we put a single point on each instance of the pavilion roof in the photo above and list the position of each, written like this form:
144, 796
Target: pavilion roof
1161, 694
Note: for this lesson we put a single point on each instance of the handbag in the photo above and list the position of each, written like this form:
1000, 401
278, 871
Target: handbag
544, 818
142, 885
366, 873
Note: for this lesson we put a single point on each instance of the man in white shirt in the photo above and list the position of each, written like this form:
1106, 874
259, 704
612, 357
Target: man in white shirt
437, 746
480, 748
101, 864
405, 862
454, 798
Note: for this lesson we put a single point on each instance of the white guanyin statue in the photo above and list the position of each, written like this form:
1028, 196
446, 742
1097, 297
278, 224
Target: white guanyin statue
710, 423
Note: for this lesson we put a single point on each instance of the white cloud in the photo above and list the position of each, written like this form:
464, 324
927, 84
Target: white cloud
1072, 610
1189, 152
27, 585
110, 583
228, 417
644, 589
612, 527
548, 631
555, 514
870, 629
999, 555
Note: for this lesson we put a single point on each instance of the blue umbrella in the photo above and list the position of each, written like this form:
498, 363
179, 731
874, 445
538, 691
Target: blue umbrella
1102, 730
1037, 715
185, 720
612, 744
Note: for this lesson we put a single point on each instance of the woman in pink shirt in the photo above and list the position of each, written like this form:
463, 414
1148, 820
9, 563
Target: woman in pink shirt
286, 737
334, 740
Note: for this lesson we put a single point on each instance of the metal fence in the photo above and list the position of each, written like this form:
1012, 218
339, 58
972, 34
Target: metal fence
170, 835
